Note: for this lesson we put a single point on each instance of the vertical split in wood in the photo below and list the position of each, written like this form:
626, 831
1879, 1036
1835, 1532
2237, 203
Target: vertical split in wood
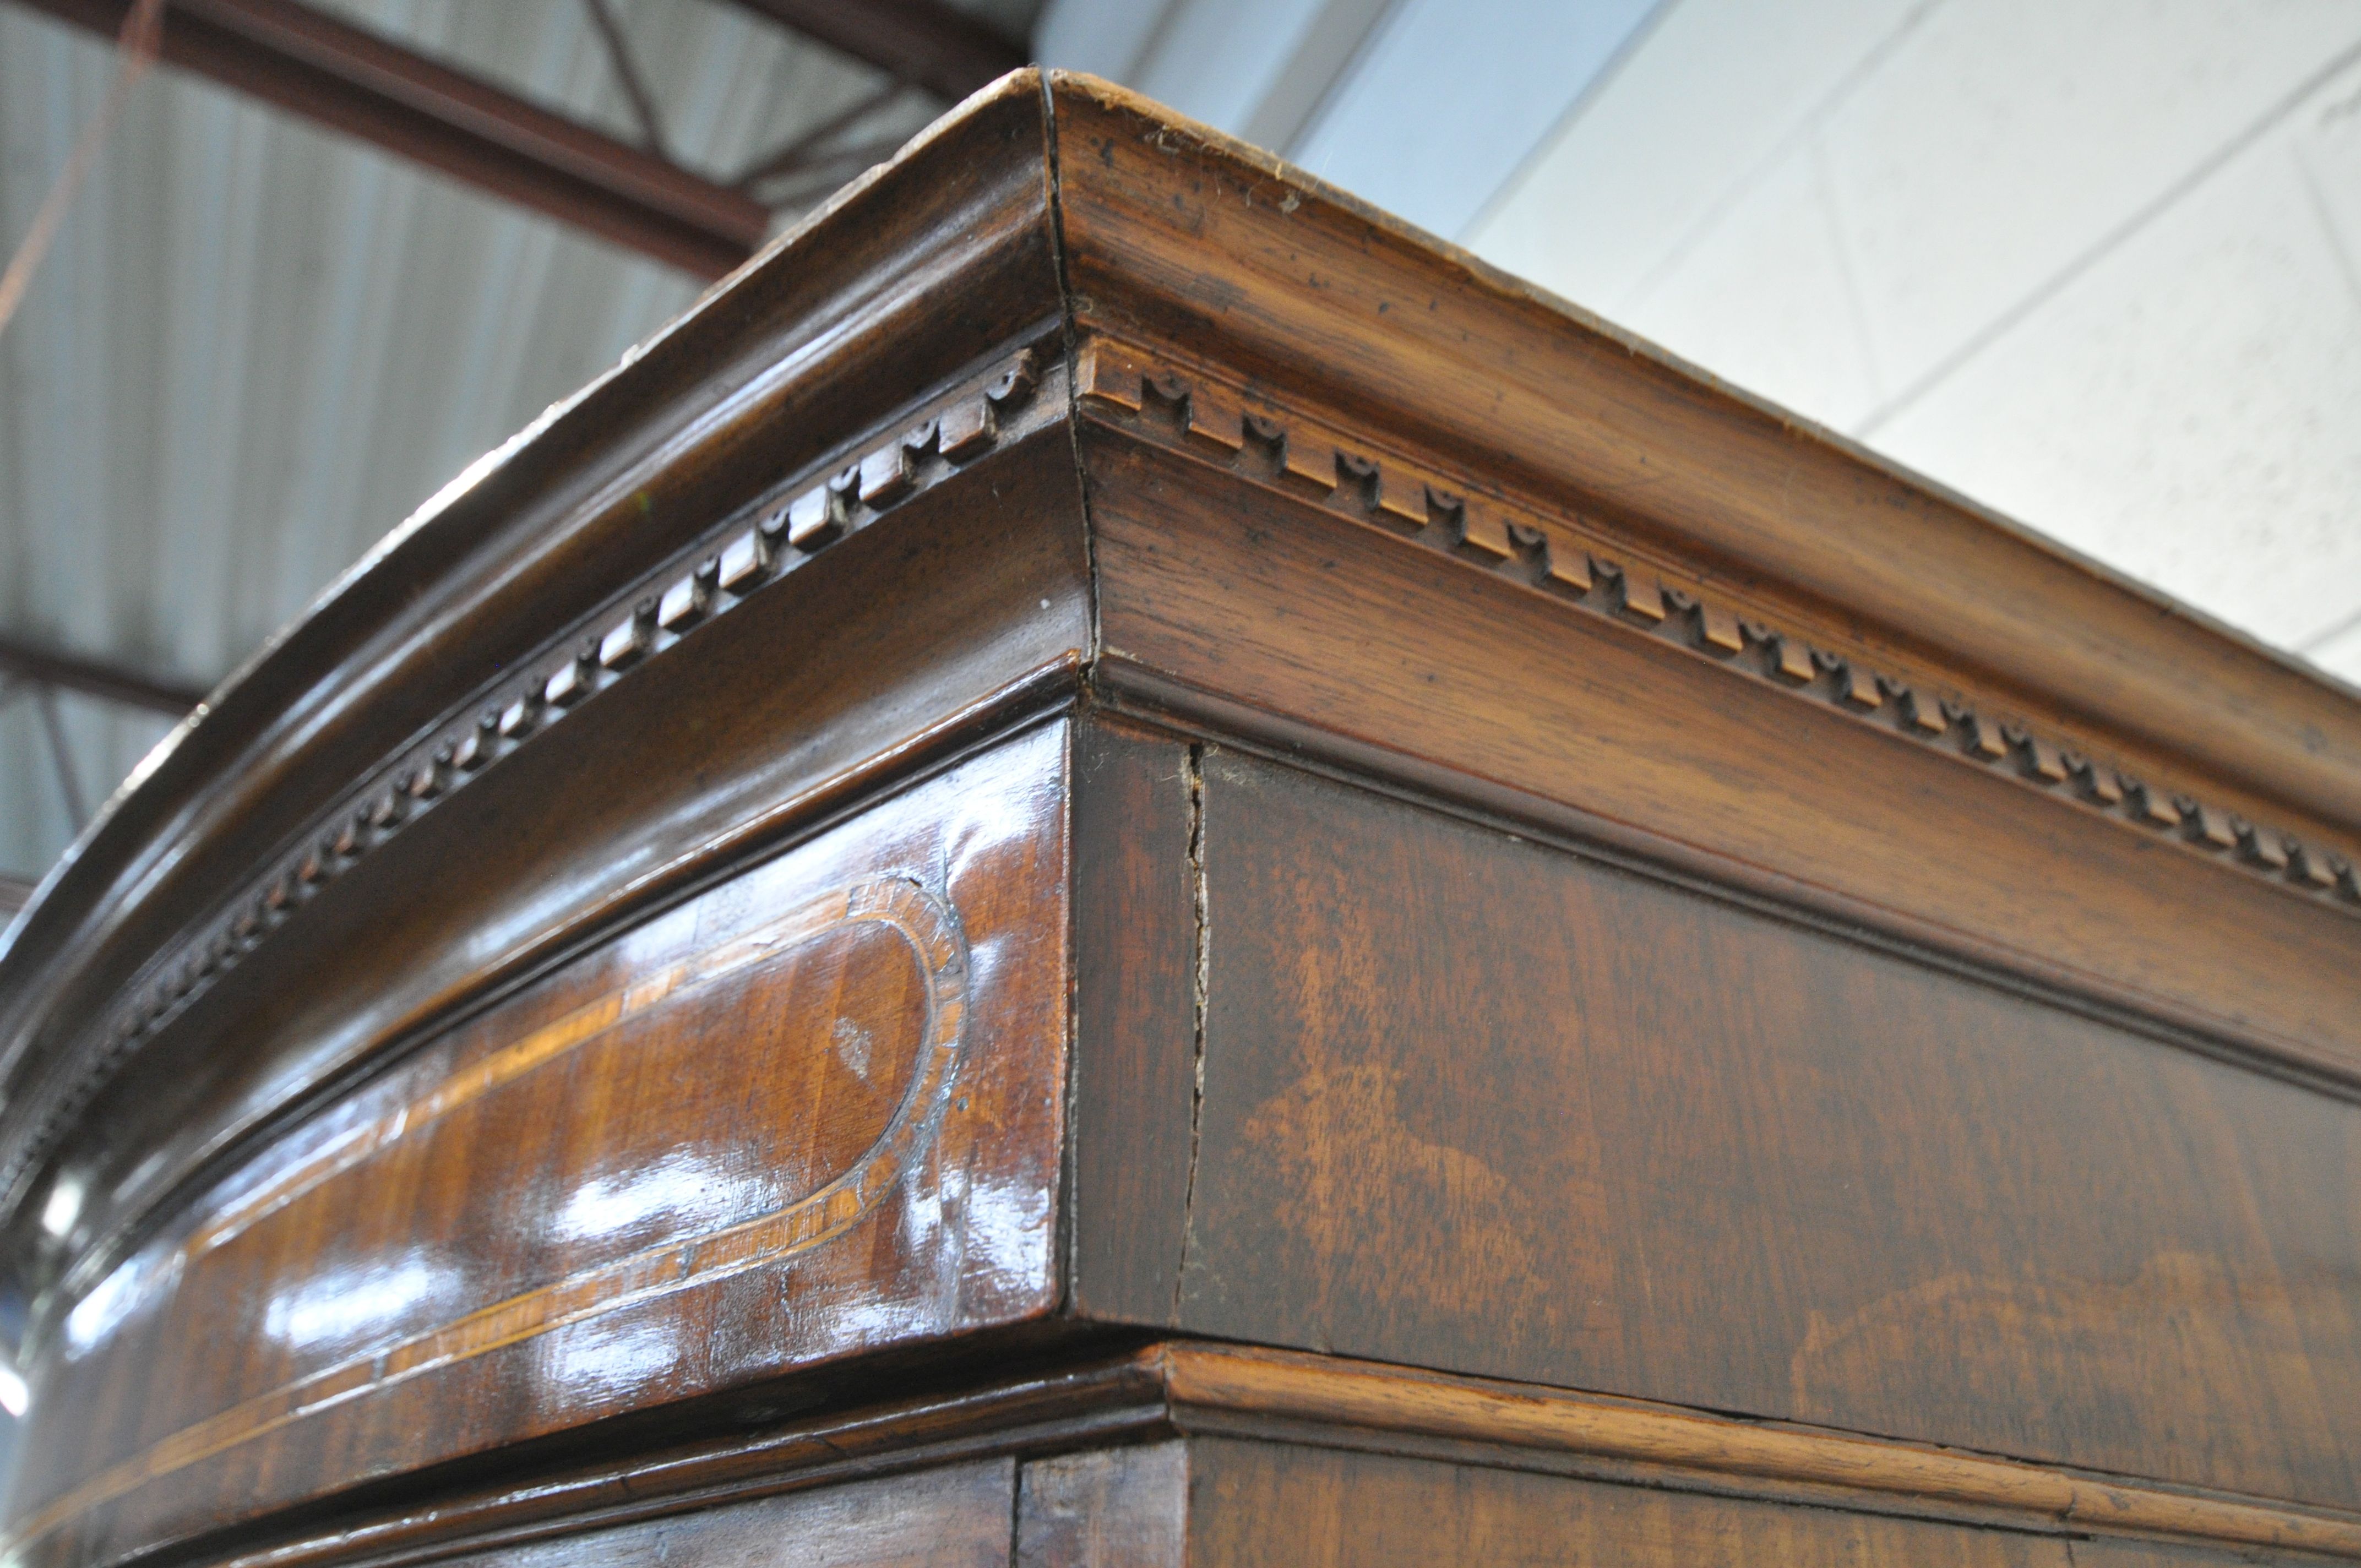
1201, 973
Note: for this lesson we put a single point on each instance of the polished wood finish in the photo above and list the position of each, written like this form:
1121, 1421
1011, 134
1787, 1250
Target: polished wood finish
1593, 724
1107, 1507
1137, 945
1183, 239
1119, 865
808, 1114
1391, 1409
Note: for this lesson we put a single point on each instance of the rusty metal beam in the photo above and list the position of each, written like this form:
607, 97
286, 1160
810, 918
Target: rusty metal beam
110, 683
922, 43
341, 76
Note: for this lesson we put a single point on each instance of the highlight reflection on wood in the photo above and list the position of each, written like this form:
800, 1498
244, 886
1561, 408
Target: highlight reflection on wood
866, 1092
714, 1095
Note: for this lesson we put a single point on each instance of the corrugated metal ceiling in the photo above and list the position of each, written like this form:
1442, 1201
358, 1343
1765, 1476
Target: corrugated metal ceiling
258, 346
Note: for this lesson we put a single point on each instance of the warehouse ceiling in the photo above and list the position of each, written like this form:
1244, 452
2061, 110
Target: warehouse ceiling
259, 343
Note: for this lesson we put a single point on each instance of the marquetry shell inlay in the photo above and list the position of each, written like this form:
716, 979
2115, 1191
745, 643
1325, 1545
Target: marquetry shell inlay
1218, 424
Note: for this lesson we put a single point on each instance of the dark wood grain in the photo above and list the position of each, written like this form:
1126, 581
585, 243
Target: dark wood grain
761, 716
1106, 1476
1110, 1508
2107, 1553
952, 1518
1329, 1401
810, 1112
1475, 1102
1134, 1029
1471, 682
1096, 1446
1255, 1504
877, 1423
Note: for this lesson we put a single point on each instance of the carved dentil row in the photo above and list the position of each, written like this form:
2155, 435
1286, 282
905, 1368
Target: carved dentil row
760, 545
1298, 455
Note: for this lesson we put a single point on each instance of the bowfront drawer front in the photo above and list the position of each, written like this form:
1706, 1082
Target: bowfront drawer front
809, 1113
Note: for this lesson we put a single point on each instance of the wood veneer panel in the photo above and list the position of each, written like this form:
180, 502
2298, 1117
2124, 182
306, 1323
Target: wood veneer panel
1255, 1503
1341, 636
1479, 1103
956, 1517
1108, 1507
810, 1112
1135, 981
752, 716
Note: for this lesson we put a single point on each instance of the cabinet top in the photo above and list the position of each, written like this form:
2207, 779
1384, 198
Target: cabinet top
1060, 260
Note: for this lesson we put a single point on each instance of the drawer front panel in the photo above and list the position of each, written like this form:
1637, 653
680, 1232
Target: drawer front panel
1479, 1103
809, 1113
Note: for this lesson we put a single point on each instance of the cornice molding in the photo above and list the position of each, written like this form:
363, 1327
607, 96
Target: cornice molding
1457, 517
1178, 236
758, 546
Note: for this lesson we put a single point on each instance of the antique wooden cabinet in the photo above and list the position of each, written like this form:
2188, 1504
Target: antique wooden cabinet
1121, 866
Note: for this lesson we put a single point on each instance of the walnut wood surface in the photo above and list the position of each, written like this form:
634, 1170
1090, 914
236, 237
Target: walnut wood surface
1107, 1508
1101, 1473
1475, 1102
956, 1517
1136, 952
1256, 1503
1334, 1402
768, 378
1340, 633
809, 1113
1473, 848
762, 710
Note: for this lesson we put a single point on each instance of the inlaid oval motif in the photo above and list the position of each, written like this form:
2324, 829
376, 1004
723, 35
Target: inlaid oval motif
558, 1157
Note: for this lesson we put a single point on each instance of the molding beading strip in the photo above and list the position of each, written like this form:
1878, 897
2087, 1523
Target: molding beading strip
1669, 1441
1311, 462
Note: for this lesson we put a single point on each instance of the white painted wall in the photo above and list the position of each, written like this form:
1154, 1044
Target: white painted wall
2095, 263
2091, 263
1424, 106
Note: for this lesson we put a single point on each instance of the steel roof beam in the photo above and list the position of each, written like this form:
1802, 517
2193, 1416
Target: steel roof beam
923, 42
110, 683
356, 82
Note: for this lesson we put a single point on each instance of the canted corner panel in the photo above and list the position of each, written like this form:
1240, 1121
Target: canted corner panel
734, 1141
1349, 474
657, 618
